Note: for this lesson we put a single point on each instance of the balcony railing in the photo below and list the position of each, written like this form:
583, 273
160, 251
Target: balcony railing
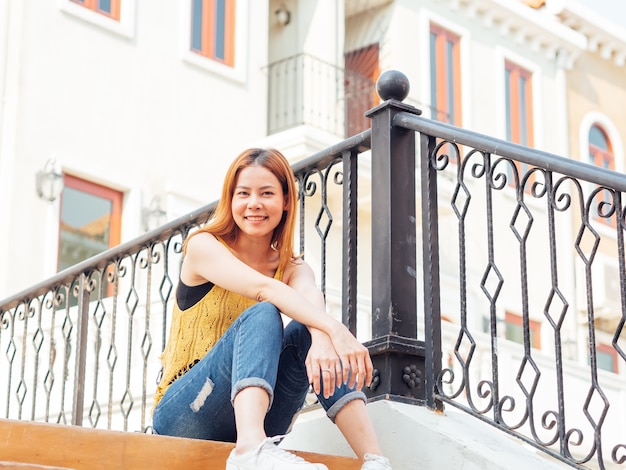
506, 232
305, 90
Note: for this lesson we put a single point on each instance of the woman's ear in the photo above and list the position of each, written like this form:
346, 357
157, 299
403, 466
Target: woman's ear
286, 203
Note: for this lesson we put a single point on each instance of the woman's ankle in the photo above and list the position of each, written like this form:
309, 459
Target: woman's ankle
247, 443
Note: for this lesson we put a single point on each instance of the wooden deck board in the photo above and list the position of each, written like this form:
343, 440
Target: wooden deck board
78, 448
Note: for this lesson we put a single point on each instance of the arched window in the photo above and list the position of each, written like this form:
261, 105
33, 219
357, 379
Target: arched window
600, 151
601, 154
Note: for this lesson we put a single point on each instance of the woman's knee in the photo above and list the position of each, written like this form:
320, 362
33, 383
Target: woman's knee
263, 313
297, 334
263, 321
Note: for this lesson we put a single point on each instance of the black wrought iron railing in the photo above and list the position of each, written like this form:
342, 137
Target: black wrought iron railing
501, 294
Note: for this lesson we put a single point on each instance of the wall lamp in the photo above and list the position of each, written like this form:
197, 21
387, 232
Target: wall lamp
283, 16
49, 181
154, 215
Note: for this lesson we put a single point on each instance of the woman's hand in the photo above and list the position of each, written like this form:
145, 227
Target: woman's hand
355, 358
323, 366
328, 368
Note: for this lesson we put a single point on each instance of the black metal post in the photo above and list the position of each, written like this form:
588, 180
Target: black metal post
432, 291
350, 211
81, 350
397, 354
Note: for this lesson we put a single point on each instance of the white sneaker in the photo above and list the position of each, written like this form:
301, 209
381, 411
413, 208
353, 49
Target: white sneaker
268, 456
376, 462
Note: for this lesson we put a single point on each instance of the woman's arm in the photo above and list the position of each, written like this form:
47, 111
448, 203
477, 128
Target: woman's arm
207, 259
322, 355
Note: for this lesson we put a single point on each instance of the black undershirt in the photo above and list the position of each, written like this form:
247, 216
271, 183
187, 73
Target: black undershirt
188, 296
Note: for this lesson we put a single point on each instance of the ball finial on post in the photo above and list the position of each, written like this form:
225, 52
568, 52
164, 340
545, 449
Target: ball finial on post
392, 85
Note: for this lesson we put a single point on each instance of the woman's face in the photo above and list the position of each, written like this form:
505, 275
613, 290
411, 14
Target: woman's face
258, 201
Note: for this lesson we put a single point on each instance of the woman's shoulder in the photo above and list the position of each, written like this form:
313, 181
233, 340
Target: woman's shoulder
296, 267
202, 240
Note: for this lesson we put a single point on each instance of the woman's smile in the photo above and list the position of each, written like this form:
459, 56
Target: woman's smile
258, 201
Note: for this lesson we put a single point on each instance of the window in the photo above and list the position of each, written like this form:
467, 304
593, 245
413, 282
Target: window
519, 112
606, 358
110, 8
213, 29
514, 330
90, 220
361, 72
213, 36
601, 154
519, 108
117, 16
445, 75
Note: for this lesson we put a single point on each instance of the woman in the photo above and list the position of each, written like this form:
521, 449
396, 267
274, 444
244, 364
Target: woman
231, 372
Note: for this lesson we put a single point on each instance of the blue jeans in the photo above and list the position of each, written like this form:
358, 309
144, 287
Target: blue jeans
255, 351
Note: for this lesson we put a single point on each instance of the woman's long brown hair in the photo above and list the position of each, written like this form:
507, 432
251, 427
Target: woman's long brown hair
222, 223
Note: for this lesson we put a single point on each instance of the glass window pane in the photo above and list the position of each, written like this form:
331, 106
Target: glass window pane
523, 132
196, 25
104, 5
514, 333
433, 75
220, 29
507, 100
605, 361
85, 226
450, 80
597, 138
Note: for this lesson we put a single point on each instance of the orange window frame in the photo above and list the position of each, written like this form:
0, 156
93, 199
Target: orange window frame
94, 5
208, 35
443, 89
104, 192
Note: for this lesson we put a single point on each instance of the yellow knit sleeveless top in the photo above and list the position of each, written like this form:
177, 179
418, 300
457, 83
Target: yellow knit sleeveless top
195, 331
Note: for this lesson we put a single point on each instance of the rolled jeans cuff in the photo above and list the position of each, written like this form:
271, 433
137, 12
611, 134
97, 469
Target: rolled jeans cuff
252, 382
343, 401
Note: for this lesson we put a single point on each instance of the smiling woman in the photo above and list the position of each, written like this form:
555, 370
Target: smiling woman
259, 203
231, 370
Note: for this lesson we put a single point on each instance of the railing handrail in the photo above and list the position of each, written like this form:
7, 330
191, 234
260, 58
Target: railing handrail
539, 158
359, 142
102, 259
407, 368
321, 159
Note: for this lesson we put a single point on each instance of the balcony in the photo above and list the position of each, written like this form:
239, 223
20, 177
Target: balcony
488, 229
306, 91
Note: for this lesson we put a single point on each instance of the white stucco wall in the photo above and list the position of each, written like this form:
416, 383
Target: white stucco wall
128, 112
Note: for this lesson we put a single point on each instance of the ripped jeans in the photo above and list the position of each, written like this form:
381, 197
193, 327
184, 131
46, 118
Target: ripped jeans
254, 351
